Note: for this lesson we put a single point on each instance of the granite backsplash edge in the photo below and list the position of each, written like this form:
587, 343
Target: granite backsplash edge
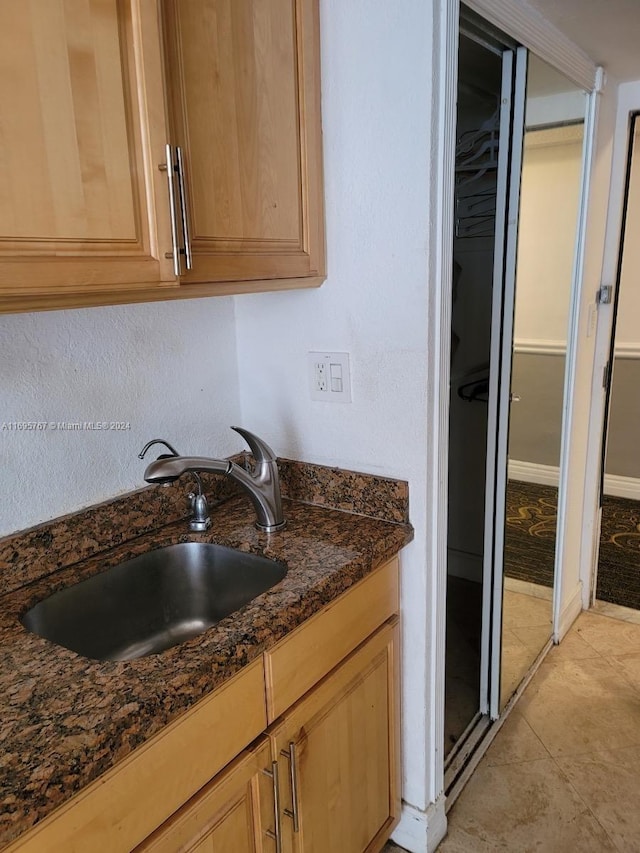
28, 555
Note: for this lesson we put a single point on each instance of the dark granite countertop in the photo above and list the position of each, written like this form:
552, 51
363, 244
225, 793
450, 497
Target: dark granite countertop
66, 719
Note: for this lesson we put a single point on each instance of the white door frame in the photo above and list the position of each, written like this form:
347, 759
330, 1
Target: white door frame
524, 24
628, 103
490, 657
506, 296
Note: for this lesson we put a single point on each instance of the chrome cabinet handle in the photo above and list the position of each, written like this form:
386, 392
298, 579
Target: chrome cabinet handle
293, 812
184, 213
175, 237
275, 833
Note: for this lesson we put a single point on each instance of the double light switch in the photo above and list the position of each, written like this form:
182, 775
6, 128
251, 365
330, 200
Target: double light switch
329, 376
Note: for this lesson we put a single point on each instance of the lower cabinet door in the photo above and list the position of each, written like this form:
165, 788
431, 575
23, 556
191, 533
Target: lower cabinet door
338, 755
234, 813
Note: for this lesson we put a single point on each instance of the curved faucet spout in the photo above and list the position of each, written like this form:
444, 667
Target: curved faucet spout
166, 469
262, 485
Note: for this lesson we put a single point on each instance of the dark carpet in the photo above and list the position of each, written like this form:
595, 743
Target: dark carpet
531, 535
619, 562
530, 532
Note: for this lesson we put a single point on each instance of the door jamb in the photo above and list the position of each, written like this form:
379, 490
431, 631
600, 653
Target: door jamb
628, 103
573, 343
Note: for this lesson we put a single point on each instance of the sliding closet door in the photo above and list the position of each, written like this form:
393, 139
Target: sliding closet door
514, 74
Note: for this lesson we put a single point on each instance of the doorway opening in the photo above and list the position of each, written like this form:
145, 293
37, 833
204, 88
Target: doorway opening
519, 157
618, 571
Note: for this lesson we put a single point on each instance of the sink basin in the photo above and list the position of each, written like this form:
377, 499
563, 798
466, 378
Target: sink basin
152, 602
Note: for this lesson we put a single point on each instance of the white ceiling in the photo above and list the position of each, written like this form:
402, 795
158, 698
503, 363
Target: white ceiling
607, 30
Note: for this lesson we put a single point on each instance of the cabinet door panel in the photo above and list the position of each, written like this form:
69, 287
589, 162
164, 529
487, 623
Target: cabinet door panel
77, 185
306, 655
61, 62
233, 812
345, 736
242, 79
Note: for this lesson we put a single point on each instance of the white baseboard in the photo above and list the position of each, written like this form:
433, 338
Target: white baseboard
421, 832
463, 565
535, 590
549, 475
622, 487
532, 472
570, 612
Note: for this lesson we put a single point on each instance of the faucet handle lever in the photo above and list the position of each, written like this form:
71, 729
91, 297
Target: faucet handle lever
260, 449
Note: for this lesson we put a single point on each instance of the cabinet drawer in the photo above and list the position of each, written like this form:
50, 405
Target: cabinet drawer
306, 655
126, 804
234, 812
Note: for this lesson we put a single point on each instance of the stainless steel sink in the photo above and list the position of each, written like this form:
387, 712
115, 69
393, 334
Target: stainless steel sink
152, 602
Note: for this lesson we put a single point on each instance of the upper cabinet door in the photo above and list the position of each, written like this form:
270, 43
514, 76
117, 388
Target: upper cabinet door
82, 131
244, 106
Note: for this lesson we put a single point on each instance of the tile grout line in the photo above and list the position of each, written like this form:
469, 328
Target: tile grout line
585, 804
635, 686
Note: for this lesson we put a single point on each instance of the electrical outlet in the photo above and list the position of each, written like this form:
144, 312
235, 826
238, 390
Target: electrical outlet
320, 383
329, 376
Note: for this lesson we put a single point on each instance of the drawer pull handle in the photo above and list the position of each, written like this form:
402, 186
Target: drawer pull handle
275, 834
293, 813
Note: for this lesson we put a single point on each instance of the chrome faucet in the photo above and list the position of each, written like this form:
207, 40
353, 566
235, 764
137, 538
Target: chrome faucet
197, 503
262, 484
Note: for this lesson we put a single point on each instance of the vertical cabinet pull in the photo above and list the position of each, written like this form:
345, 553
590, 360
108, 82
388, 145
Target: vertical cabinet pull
179, 222
175, 237
184, 212
275, 833
293, 812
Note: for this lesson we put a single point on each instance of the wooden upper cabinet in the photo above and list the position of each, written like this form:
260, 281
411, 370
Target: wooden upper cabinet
243, 92
81, 124
91, 94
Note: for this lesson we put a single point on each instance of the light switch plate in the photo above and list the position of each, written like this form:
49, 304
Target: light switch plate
329, 376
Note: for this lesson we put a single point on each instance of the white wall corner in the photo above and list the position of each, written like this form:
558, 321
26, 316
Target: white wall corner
421, 831
570, 611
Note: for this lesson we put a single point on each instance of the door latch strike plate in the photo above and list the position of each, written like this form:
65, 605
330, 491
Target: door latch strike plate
604, 295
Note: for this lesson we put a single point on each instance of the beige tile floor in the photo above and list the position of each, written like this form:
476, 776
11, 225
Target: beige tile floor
563, 774
526, 628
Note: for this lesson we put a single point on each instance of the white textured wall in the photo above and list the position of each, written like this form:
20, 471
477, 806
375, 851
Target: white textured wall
549, 198
376, 110
167, 368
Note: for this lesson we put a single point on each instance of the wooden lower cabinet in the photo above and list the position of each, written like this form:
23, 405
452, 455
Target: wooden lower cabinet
234, 813
338, 755
322, 778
